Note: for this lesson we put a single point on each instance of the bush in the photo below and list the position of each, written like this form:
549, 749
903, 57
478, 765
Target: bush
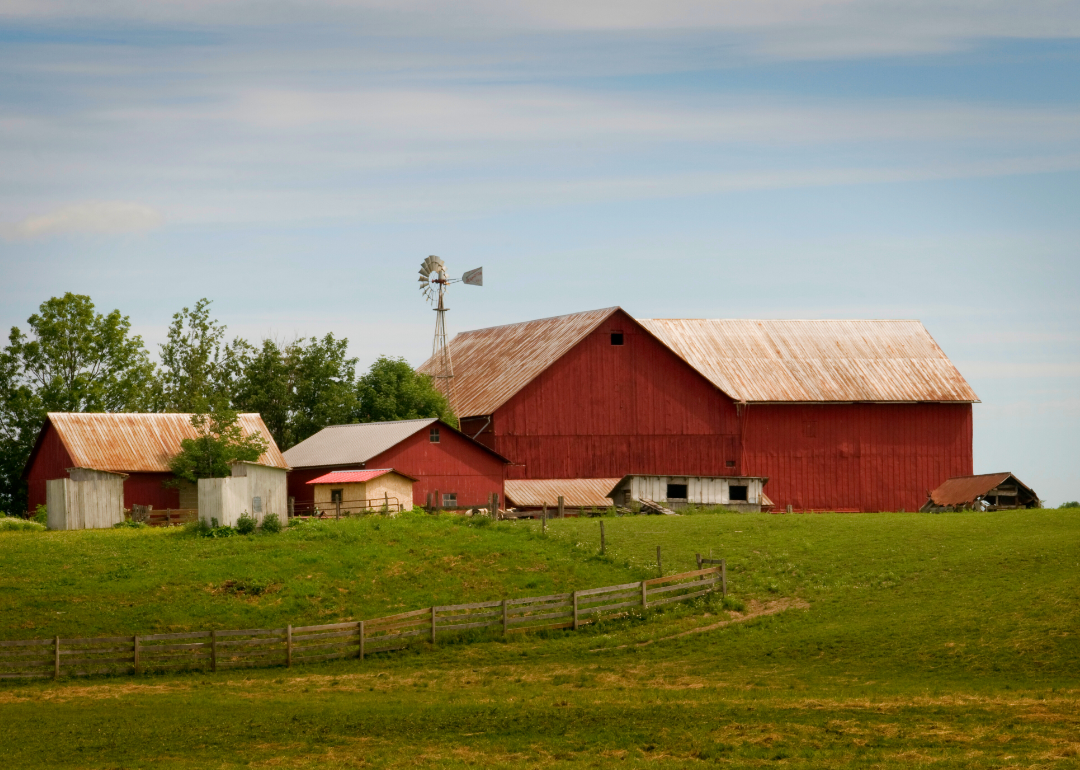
271, 523
1071, 504
41, 514
202, 529
130, 525
247, 524
12, 524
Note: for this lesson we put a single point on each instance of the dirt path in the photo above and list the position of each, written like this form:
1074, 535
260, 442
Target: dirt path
755, 609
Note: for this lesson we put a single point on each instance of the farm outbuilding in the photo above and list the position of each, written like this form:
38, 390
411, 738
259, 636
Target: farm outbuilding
840, 415
577, 494
254, 489
134, 444
737, 493
86, 499
343, 493
441, 458
985, 492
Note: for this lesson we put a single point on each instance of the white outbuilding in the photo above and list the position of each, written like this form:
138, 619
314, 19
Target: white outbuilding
736, 493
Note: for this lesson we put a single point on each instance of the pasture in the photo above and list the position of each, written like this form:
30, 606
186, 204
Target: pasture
939, 641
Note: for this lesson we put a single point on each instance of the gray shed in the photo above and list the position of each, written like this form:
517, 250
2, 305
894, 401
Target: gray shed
737, 493
87, 499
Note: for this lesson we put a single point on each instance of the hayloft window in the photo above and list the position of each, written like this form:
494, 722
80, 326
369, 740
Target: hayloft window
433, 435
676, 491
336, 495
449, 500
616, 338
737, 493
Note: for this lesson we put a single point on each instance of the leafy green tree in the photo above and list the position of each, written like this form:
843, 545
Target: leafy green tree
193, 378
72, 359
220, 441
393, 390
298, 388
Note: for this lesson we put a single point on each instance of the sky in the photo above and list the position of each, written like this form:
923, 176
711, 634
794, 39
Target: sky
295, 162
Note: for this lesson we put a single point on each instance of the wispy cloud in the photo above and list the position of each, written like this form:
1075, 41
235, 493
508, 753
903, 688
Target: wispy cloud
89, 217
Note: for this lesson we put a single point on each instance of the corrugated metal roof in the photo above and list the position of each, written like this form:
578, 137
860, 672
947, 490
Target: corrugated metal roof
491, 365
577, 493
352, 444
816, 361
140, 443
961, 490
355, 477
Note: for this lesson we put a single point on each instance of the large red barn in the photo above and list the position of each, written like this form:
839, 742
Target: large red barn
463, 471
840, 415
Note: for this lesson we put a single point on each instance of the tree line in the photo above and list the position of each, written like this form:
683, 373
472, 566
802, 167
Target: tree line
72, 358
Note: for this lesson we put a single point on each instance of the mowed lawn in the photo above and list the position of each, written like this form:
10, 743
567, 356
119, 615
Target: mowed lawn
927, 641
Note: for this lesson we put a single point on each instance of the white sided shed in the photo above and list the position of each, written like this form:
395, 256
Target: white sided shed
254, 489
737, 493
86, 499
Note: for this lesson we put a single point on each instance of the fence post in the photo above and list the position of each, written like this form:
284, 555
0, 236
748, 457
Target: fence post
288, 646
543, 518
361, 626
337, 510
723, 575
168, 516
292, 508
504, 617
698, 555
495, 506
213, 650
135, 641
433, 625
56, 658
562, 510
659, 564
602, 537
644, 596
575, 611
428, 502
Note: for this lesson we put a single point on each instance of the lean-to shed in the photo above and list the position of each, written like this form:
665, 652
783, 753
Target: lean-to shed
736, 493
985, 492
343, 493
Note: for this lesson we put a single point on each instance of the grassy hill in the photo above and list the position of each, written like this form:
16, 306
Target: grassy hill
944, 641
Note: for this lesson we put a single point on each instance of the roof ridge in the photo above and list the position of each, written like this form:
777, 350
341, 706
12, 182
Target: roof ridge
609, 310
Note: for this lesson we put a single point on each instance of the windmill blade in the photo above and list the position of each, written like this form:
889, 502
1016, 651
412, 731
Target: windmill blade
474, 277
423, 279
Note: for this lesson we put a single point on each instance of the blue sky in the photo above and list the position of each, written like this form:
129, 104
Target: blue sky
295, 162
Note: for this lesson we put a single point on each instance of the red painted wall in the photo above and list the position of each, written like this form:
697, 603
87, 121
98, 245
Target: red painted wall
53, 460
455, 464
606, 411
869, 457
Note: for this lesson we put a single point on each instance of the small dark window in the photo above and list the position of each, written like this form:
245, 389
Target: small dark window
737, 492
449, 500
676, 491
336, 495
729, 463
616, 338
434, 435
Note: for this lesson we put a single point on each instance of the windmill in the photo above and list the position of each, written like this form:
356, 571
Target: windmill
434, 281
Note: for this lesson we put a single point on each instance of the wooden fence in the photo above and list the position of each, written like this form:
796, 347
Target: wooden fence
221, 650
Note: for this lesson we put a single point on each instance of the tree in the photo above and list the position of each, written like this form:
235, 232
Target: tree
298, 388
72, 360
221, 441
393, 390
192, 376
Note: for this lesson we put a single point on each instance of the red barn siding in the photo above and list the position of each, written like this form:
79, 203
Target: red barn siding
147, 489
453, 465
605, 410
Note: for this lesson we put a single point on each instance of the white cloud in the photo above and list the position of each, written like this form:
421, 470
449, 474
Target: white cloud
106, 217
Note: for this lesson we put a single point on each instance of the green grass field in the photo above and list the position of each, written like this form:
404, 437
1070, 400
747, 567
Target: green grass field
930, 641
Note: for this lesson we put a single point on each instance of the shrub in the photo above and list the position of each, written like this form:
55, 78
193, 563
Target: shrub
1071, 504
12, 524
41, 514
247, 524
130, 525
271, 523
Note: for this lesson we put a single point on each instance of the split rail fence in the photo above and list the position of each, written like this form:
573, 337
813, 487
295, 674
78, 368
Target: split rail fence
254, 647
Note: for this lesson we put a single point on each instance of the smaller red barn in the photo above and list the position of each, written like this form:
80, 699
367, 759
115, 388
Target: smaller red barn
135, 444
441, 458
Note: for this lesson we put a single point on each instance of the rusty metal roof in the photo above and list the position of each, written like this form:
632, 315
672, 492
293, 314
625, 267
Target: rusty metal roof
816, 361
356, 477
576, 493
963, 490
491, 365
140, 443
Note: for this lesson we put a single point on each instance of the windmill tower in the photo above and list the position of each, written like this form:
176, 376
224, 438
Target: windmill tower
434, 281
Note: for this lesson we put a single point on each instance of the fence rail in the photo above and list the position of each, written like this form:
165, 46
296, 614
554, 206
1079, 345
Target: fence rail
222, 650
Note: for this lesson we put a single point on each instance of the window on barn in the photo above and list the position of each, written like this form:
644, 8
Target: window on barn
616, 338
737, 493
449, 500
434, 435
676, 491
336, 495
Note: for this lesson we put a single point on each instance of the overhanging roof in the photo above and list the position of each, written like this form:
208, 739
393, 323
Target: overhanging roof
576, 493
357, 477
962, 490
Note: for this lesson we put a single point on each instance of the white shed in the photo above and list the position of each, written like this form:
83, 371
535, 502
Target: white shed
87, 499
737, 493
255, 489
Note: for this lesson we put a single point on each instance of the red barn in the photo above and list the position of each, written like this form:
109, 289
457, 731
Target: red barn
139, 445
440, 457
840, 415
